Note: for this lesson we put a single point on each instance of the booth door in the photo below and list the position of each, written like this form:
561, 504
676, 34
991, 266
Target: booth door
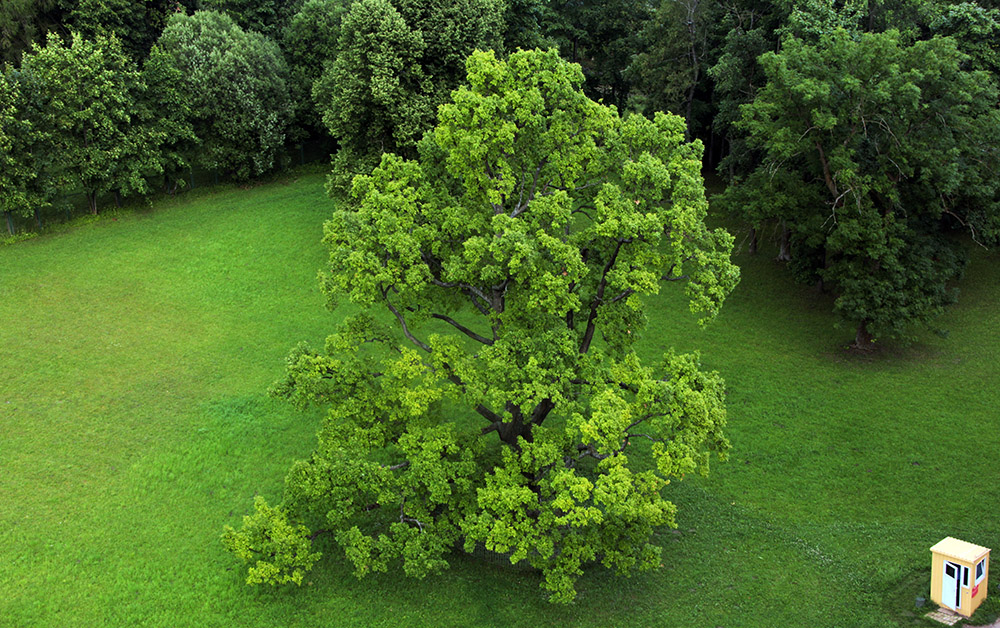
951, 590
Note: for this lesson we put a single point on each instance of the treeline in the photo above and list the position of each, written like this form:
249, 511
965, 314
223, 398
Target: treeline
864, 134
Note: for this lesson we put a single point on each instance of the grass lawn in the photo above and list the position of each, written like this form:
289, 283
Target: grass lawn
134, 358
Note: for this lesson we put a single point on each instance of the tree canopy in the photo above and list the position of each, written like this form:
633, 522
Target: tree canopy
235, 83
488, 392
875, 140
84, 102
395, 63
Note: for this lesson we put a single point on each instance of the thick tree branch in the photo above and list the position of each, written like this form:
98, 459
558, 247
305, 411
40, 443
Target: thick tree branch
402, 322
462, 328
588, 335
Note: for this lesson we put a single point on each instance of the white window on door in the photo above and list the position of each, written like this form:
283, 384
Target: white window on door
980, 570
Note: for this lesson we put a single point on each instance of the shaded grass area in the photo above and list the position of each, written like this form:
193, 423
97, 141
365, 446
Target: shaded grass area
133, 425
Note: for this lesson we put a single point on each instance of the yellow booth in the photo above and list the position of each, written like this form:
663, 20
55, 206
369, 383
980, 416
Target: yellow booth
959, 575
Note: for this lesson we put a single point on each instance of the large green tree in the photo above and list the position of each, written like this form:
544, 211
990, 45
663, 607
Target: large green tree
876, 143
26, 22
263, 16
235, 82
309, 42
603, 36
488, 391
136, 23
85, 101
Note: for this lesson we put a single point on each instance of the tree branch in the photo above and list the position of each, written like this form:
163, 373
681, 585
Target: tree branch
402, 321
588, 335
462, 328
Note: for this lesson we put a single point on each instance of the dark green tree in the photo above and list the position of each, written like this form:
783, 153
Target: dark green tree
506, 405
21, 191
85, 104
267, 17
26, 22
396, 63
136, 23
890, 136
235, 83
602, 37
170, 116
676, 46
310, 42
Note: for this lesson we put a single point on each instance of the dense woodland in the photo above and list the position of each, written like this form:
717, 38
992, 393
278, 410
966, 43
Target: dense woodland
862, 136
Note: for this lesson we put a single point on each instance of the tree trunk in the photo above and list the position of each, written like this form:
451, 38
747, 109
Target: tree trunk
785, 249
862, 337
38, 219
753, 240
10, 223
92, 202
118, 200
820, 284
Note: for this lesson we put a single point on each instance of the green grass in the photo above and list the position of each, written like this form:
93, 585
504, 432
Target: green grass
134, 358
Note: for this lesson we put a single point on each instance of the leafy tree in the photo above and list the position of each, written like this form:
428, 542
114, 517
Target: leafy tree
263, 16
523, 20
375, 96
235, 82
975, 29
676, 52
26, 22
86, 97
136, 23
512, 259
16, 173
396, 63
603, 37
888, 134
172, 122
310, 42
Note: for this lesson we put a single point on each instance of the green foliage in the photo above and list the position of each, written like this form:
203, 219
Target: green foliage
309, 42
676, 50
603, 37
396, 63
136, 23
17, 176
532, 226
235, 83
737, 75
263, 16
890, 136
277, 550
26, 22
172, 121
84, 103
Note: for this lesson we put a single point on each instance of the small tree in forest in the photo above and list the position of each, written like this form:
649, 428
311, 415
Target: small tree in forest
489, 391
17, 175
310, 42
396, 62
